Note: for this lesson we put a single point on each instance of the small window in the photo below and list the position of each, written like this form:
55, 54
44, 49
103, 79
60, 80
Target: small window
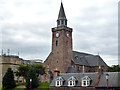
13, 68
59, 83
62, 21
58, 22
71, 81
45, 77
56, 42
85, 81
18, 62
66, 22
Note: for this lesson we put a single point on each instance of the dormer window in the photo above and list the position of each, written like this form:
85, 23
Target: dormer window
71, 81
86, 81
59, 81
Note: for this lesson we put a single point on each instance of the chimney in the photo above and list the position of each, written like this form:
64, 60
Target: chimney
100, 70
56, 72
83, 69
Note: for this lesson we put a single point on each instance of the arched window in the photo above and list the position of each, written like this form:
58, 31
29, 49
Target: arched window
56, 42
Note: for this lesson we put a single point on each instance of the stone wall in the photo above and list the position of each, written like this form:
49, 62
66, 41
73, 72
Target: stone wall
8, 62
85, 69
62, 54
0, 74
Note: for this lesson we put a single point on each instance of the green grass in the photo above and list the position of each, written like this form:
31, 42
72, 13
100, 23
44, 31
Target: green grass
0, 87
20, 84
43, 85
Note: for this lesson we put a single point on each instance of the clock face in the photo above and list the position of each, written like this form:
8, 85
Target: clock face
68, 35
57, 35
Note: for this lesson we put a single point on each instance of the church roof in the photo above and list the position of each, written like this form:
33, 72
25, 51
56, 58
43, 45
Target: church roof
61, 13
87, 59
71, 69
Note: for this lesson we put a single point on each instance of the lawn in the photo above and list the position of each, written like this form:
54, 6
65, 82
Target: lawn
43, 85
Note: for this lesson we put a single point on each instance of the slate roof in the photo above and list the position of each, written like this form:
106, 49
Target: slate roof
87, 59
71, 69
95, 81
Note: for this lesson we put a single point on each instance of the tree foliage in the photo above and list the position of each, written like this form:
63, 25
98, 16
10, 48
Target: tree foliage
22, 70
114, 68
8, 80
39, 69
32, 75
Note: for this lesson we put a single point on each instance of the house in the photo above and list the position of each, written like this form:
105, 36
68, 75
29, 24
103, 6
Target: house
86, 81
8, 61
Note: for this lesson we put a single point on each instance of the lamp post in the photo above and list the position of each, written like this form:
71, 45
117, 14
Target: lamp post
30, 83
107, 75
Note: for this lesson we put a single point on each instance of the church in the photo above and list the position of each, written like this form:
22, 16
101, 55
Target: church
63, 59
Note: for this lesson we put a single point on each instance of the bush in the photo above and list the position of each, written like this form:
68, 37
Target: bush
8, 80
32, 75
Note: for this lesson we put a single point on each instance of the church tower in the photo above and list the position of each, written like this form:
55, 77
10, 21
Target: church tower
61, 56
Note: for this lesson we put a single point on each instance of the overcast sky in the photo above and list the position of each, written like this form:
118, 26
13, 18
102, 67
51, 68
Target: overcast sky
25, 27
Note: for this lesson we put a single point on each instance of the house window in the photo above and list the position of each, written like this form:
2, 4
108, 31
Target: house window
45, 77
85, 81
59, 81
17, 62
71, 81
13, 68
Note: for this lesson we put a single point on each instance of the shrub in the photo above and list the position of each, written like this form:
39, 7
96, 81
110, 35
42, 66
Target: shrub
8, 80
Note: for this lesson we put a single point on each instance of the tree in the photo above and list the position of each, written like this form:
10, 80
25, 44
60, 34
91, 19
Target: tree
114, 68
39, 68
34, 82
8, 80
22, 70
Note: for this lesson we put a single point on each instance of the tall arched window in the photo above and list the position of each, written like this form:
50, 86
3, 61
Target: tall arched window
56, 42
